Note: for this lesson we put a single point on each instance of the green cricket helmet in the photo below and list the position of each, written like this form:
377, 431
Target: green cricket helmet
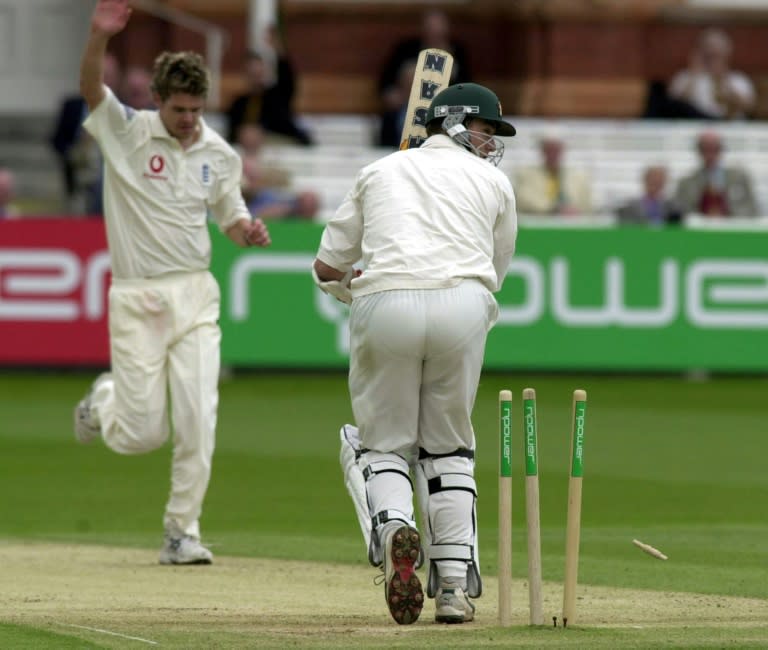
469, 100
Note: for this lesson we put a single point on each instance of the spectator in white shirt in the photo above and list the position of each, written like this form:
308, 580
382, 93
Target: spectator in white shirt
709, 84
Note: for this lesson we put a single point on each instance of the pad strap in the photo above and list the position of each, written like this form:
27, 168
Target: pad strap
384, 516
457, 552
461, 453
375, 546
461, 552
452, 482
380, 466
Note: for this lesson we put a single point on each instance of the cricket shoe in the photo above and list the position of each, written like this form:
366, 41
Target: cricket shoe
184, 549
87, 428
402, 587
451, 603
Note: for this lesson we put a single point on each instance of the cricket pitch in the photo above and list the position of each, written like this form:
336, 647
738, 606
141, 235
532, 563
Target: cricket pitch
121, 597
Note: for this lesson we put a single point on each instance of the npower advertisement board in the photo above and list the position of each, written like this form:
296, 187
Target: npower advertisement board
574, 299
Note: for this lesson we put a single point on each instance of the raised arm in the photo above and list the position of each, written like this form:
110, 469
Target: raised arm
109, 17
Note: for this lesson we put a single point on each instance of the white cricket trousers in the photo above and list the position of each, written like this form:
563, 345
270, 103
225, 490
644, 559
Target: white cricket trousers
165, 346
415, 362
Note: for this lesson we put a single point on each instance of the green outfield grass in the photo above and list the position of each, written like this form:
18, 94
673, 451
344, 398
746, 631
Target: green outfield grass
675, 463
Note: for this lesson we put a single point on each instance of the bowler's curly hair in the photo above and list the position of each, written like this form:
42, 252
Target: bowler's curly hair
180, 72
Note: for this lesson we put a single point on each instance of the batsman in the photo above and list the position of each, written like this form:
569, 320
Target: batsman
434, 228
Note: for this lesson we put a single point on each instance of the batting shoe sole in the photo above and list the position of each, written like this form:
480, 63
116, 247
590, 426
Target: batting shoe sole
402, 587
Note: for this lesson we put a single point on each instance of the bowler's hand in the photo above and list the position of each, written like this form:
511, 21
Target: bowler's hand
256, 234
110, 16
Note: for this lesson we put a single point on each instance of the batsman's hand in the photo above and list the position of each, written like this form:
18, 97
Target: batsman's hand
110, 16
339, 289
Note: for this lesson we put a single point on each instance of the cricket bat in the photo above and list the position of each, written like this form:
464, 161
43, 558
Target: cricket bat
433, 74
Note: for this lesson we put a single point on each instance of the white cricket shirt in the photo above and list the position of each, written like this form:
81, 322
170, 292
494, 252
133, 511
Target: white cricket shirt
157, 196
424, 218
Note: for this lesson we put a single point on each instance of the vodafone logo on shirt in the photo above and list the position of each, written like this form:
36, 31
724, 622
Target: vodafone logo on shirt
156, 167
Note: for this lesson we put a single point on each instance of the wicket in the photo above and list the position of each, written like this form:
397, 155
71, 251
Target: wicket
533, 522
505, 508
573, 525
532, 518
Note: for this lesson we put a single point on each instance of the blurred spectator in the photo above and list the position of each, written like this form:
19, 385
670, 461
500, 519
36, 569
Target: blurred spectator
266, 188
714, 189
7, 194
552, 188
268, 99
654, 207
77, 152
392, 119
708, 88
435, 32
136, 88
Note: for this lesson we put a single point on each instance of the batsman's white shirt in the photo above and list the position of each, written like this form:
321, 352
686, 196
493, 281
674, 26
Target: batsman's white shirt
424, 218
163, 302
435, 228
157, 196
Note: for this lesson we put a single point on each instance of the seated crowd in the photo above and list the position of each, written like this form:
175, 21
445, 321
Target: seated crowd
261, 119
712, 188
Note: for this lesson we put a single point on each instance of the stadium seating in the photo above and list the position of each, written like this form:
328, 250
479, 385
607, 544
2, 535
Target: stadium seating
614, 152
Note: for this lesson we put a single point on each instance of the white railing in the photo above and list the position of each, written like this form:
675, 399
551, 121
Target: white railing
215, 40
728, 4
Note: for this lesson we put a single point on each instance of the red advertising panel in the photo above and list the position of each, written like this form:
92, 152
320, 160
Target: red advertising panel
54, 277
